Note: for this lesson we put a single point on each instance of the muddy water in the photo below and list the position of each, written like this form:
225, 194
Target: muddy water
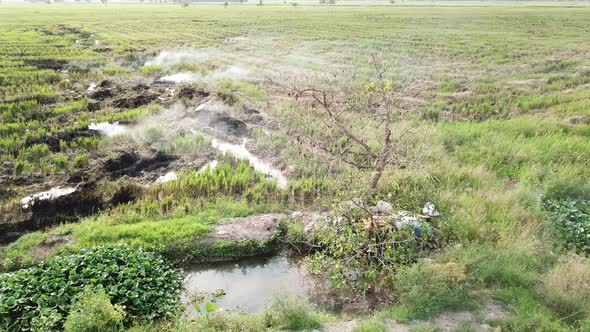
240, 152
249, 285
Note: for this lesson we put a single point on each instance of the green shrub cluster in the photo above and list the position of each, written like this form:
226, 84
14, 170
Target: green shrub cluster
427, 290
285, 313
358, 257
93, 311
140, 282
570, 218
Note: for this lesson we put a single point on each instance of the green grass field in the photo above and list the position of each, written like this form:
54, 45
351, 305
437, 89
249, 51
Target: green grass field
500, 96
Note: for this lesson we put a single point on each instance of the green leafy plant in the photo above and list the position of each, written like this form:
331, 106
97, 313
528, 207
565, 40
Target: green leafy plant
139, 281
570, 218
208, 310
92, 311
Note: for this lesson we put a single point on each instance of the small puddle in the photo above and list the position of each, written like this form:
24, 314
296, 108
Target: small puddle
249, 284
240, 152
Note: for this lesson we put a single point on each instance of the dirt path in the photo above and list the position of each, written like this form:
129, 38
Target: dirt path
451, 321
258, 228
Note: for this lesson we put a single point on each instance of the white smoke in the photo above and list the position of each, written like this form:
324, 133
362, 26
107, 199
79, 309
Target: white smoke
170, 176
108, 129
179, 78
169, 58
51, 194
255, 59
234, 73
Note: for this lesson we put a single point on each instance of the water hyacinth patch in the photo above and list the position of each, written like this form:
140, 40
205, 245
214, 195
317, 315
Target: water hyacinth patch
140, 282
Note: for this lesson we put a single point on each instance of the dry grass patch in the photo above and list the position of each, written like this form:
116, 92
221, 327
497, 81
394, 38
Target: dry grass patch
566, 287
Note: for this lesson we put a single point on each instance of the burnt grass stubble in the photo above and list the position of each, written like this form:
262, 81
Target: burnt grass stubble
15, 220
127, 162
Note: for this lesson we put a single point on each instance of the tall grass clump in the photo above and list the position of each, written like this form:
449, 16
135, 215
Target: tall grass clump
429, 289
566, 289
228, 178
285, 313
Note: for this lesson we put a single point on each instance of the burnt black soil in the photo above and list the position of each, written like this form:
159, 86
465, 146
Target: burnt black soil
54, 64
222, 123
122, 95
15, 221
188, 92
135, 101
53, 141
132, 165
86, 200
69, 30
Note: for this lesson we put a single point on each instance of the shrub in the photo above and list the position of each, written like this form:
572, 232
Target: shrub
360, 259
34, 152
61, 162
567, 186
150, 70
81, 160
426, 290
92, 311
21, 167
565, 288
141, 282
371, 325
284, 313
292, 313
570, 220
529, 313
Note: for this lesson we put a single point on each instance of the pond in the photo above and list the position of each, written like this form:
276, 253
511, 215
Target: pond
249, 285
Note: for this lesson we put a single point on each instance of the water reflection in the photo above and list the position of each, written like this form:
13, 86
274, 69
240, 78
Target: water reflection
249, 285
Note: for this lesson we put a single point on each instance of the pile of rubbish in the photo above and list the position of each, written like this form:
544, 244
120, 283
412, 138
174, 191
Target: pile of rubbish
382, 215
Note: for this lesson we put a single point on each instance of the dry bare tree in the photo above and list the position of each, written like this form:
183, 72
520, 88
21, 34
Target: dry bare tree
360, 124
